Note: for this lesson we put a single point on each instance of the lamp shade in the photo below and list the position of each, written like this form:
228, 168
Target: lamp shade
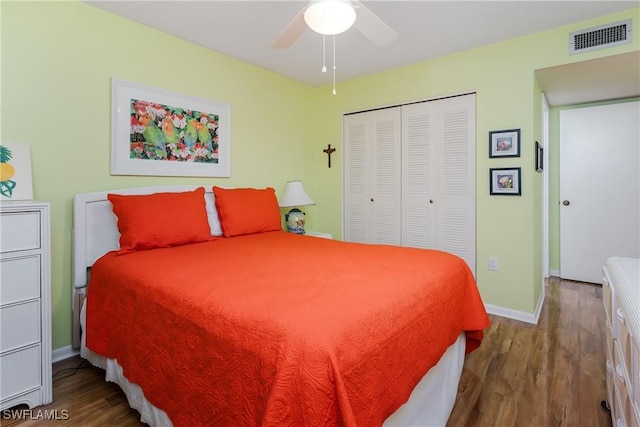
295, 195
330, 17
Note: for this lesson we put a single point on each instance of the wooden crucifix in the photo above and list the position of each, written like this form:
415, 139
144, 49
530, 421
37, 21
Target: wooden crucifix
329, 150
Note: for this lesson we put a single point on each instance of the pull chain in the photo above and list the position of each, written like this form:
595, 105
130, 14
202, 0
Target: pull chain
324, 59
324, 55
334, 64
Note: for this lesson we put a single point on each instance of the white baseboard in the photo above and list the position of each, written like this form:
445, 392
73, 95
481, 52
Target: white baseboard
521, 316
64, 353
541, 299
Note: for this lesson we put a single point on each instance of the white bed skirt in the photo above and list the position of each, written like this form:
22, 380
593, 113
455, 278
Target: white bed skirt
429, 405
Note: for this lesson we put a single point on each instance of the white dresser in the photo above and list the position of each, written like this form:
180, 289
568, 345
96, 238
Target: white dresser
25, 304
621, 298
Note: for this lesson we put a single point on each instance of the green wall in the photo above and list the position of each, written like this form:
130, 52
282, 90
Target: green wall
508, 96
58, 59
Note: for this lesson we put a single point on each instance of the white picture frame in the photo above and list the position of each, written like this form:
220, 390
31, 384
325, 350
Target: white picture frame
504, 143
16, 182
505, 181
156, 132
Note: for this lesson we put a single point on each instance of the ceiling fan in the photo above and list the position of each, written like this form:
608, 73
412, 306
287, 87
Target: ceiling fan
330, 17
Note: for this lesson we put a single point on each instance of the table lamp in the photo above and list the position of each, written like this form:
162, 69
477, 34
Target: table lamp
295, 195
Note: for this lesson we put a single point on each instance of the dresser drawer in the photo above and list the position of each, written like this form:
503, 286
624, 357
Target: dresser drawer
21, 371
635, 376
617, 416
19, 279
610, 374
623, 389
19, 325
20, 231
635, 419
608, 334
622, 333
606, 293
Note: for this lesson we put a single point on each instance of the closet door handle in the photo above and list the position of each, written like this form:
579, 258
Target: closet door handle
372, 199
431, 201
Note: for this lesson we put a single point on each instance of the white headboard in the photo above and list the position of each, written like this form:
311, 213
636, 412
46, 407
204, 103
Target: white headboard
95, 230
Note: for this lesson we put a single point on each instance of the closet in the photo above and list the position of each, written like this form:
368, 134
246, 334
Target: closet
409, 176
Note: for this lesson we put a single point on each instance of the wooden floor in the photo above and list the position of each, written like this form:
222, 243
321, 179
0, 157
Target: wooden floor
550, 374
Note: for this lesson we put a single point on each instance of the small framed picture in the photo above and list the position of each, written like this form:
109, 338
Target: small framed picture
505, 181
504, 143
539, 157
15, 171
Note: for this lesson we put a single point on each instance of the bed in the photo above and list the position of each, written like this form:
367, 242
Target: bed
251, 325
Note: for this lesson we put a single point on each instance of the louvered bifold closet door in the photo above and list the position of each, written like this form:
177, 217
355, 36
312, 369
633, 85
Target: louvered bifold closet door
438, 176
356, 179
372, 193
419, 186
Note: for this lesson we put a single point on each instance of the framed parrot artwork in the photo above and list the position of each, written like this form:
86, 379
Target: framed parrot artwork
157, 132
15, 171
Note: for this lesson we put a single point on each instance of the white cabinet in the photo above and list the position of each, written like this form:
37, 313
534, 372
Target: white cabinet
410, 176
25, 304
621, 299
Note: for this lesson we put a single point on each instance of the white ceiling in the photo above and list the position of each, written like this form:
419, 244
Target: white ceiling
612, 77
426, 29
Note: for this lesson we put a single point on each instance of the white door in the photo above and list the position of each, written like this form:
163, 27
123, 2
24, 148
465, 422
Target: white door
372, 177
438, 176
599, 188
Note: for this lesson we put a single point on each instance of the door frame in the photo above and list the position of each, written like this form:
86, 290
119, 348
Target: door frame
545, 191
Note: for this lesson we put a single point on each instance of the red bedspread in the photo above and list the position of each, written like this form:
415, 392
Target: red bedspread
277, 329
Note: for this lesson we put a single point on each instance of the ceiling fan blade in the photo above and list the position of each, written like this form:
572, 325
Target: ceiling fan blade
292, 31
372, 27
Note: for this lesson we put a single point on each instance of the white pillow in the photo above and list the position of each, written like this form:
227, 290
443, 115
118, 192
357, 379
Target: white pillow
212, 214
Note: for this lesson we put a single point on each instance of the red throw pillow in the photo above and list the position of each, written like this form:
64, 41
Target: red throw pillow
247, 210
160, 220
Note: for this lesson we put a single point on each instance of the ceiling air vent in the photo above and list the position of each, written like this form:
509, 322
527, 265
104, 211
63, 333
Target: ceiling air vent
600, 37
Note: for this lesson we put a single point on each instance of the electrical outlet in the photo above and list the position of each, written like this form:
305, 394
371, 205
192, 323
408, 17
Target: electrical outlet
493, 263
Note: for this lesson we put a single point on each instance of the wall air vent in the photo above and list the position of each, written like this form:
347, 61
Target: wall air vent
600, 37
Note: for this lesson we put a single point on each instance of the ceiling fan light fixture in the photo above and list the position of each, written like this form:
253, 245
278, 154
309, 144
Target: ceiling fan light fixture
330, 17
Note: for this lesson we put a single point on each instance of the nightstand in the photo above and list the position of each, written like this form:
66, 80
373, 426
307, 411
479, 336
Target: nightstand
317, 234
